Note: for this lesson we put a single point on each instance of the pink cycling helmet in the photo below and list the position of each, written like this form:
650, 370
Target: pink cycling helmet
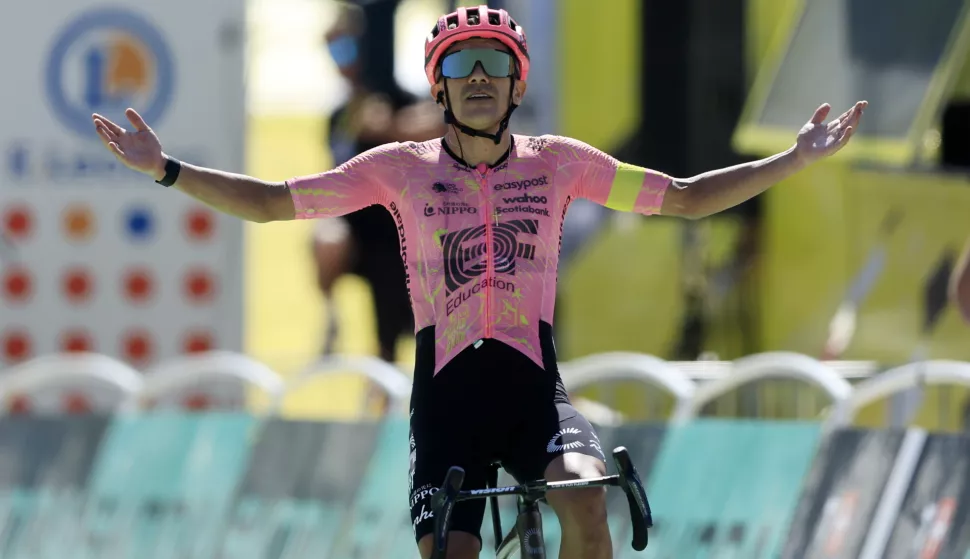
481, 22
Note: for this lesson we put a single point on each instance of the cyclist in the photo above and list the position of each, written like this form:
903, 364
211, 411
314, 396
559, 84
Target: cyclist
479, 215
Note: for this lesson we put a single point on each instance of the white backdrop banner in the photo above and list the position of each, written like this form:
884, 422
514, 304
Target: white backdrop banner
93, 256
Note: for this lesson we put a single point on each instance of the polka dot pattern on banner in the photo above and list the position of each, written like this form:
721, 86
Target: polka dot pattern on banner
199, 224
198, 342
138, 285
76, 269
137, 346
78, 223
77, 285
17, 285
76, 341
18, 222
139, 224
199, 286
15, 346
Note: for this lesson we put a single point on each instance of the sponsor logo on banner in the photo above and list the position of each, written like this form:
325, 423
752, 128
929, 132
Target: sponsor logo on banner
105, 61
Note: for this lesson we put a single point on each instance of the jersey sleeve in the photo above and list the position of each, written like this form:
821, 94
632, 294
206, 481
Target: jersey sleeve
603, 179
352, 186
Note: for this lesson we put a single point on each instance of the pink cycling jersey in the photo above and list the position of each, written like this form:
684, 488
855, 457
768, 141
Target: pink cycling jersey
480, 245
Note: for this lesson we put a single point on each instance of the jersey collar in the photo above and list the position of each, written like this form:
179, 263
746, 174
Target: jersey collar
498, 162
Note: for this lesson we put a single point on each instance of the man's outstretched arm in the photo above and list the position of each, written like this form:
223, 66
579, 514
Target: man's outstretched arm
337, 192
245, 197
721, 189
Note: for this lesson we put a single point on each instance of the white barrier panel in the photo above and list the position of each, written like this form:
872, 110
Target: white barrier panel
217, 369
769, 365
897, 380
629, 366
107, 383
395, 383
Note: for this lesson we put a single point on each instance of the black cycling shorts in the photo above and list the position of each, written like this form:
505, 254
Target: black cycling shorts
488, 404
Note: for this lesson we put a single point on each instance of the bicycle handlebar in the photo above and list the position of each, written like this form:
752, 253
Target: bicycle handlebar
627, 478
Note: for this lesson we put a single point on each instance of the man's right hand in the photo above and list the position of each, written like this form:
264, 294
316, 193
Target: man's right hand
138, 149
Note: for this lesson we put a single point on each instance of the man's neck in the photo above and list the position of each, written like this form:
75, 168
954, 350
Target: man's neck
475, 150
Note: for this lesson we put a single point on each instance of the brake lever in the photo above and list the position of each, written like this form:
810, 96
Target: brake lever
636, 497
442, 504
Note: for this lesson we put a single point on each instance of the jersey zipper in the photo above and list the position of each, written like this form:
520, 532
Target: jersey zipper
489, 263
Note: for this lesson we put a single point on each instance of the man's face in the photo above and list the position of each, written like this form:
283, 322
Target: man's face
479, 100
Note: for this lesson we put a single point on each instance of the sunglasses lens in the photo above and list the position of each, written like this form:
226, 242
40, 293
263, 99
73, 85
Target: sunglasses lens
461, 64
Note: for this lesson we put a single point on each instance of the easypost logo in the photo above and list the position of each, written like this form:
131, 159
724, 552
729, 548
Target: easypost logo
522, 185
105, 61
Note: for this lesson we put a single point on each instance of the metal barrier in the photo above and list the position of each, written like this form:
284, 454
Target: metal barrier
395, 384
191, 371
769, 365
110, 380
898, 379
648, 369
692, 384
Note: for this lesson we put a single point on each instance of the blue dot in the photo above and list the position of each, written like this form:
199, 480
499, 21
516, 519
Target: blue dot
140, 224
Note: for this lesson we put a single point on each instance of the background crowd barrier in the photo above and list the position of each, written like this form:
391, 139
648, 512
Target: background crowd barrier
138, 480
83, 382
166, 485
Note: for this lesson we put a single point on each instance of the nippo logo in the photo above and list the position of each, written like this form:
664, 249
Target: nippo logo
105, 61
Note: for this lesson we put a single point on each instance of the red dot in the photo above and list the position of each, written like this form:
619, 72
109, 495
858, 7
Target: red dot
199, 286
198, 342
77, 285
17, 285
197, 402
19, 404
199, 224
75, 403
138, 285
18, 222
16, 346
136, 346
76, 341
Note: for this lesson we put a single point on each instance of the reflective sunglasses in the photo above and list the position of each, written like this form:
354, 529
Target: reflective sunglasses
461, 64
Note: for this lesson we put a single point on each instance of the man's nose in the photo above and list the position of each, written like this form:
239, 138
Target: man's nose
478, 74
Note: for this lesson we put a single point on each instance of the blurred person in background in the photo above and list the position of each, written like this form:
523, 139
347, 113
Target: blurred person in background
366, 243
960, 284
480, 212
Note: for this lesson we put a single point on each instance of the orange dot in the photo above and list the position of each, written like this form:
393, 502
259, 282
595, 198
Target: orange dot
78, 223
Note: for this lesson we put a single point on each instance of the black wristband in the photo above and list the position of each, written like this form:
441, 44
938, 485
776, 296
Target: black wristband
172, 168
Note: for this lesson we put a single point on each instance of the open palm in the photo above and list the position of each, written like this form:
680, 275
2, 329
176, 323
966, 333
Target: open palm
818, 139
139, 149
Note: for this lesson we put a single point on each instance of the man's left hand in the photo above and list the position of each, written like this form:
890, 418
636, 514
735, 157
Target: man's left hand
818, 139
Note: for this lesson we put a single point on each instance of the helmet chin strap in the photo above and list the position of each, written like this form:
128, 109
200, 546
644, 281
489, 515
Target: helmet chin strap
468, 130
